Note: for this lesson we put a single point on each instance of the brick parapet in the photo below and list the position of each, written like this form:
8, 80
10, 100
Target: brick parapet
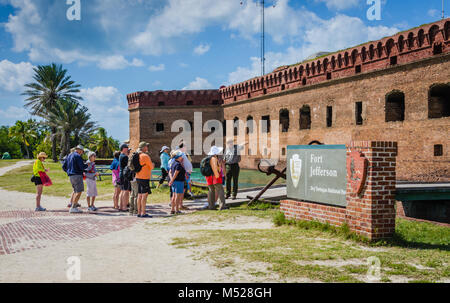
402, 48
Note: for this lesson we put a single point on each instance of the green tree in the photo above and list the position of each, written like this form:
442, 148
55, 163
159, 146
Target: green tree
50, 87
22, 132
10, 145
69, 118
104, 145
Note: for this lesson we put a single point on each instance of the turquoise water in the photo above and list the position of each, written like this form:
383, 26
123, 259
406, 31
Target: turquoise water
247, 178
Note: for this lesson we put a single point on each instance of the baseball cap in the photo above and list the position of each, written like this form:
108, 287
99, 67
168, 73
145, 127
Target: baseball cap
143, 144
123, 146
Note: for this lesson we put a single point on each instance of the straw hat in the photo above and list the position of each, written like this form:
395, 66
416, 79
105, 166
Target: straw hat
42, 155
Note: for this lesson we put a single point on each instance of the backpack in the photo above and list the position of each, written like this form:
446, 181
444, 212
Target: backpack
135, 165
205, 167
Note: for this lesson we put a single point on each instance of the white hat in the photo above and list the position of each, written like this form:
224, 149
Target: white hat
164, 148
215, 151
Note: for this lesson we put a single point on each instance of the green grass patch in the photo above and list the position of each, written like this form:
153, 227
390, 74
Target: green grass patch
313, 250
19, 180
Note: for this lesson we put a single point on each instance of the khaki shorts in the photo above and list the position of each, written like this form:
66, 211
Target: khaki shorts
77, 183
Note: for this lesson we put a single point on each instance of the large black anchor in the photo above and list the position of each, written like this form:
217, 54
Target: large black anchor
269, 171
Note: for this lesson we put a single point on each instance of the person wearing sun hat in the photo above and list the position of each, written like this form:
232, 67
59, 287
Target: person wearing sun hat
214, 182
165, 157
38, 170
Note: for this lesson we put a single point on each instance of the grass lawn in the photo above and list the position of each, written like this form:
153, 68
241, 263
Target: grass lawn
4, 163
19, 180
420, 252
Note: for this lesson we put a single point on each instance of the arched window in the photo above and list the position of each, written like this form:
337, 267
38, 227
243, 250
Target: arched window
401, 42
346, 59
307, 69
421, 37
389, 46
410, 40
439, 101
305, 117
379, 50
395, 106
300, 71
189, 103
363, 54
290, 74
434, 30
354, 56
236, 126
447, 30
295, 73
333, 62
339, 61
250, 125
284, 120
371, 51
325, 64
313, 68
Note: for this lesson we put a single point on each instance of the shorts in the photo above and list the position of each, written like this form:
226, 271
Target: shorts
37, 181
178, 187
91, 185
125, 185
143, 186
77, 183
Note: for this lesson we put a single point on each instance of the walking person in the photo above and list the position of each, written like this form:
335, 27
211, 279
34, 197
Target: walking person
214, 181
91, 183
74, 167
177, 177
143, 179
232, 159
116, 179
38, 171
165, 157
125, 184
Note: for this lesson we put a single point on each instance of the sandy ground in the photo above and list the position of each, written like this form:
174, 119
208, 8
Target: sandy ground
140, 253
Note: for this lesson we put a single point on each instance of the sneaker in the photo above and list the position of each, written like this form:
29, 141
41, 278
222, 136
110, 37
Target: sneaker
146, 216
234, 198
75, 211
40, 209
224, 208
184, 208
77, 205
179, 213
172, 212
139, 216
227, 196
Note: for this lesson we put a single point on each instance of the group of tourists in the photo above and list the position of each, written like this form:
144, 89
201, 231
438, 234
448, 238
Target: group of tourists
131, 176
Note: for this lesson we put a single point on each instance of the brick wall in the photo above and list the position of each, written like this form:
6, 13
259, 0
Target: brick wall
371, 213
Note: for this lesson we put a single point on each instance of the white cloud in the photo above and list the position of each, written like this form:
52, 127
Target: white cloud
184, 65
101, 94
337, 33
339, 4
434, 13
118, 62
14, 112
198, 83
14, 76
157, 83
202, 49
157, 68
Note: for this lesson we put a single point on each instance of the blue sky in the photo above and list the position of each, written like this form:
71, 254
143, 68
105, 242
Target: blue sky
123, 46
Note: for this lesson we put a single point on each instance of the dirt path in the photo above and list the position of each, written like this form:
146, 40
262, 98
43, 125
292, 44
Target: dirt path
112, 247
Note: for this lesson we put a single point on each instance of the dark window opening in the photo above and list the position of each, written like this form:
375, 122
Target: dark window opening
395, 106
249, 95
439, 101
393, 60
358, 69
283, 151
224, 126
159, 127
329, 116
265, 124
236, 126
250, 125
161, 103
304, 81
284, 120
438, 150
305, 117
358, 113
437, 49
283, 87
215, 102
328, 76
190, 103
265, 91
234, 98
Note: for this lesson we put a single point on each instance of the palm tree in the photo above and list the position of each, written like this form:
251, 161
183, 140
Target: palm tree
69, 118
104, 145
22, 132
51, 85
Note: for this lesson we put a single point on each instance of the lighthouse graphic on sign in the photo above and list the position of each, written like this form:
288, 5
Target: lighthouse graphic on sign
296, 169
